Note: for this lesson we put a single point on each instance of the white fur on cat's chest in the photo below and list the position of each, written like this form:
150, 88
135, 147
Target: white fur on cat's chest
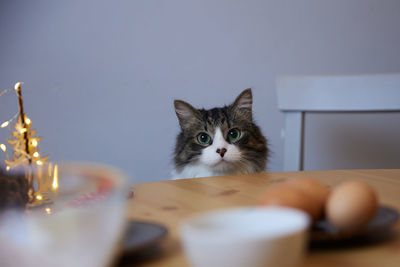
197, 171
193, 171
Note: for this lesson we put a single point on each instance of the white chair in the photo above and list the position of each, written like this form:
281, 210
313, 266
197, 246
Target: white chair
300, 94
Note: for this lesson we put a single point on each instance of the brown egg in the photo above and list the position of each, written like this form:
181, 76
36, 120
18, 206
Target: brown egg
289, 196
314, 189
351, 205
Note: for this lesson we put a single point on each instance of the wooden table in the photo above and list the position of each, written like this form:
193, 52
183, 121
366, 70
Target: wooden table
169, 202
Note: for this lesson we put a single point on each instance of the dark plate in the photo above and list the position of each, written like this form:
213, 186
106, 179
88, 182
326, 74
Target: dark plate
385, 217
140, 236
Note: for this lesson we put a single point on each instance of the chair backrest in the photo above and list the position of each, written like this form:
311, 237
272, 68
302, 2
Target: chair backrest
300, 94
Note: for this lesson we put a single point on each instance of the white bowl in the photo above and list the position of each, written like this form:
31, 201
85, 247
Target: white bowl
246, 237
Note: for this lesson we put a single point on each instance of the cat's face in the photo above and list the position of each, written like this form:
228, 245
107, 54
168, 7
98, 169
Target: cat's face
221, 153
223, 139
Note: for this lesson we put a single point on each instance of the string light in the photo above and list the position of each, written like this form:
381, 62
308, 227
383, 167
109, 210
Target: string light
6, 123
4, 148
55, 177
5, 91
25, 145
17, 86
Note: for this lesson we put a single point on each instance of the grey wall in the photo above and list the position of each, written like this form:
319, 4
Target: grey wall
100, 76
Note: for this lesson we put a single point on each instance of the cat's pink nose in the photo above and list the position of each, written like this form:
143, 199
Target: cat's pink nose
221, 151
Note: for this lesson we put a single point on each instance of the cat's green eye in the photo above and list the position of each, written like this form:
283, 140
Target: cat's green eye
204, 139
234, 134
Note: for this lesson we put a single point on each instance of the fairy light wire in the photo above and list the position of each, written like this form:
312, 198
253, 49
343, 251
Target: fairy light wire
7, 123
16, 88
5, 91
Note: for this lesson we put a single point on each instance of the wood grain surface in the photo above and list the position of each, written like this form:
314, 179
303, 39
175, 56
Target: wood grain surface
170, 202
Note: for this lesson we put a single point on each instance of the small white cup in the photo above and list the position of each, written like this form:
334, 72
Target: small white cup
246, 237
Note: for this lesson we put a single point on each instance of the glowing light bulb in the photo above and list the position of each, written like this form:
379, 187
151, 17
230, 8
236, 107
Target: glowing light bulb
27, 120
17, 86
5, 124
34, 143
39, 197
22, 130
55, 178
48, 211
36, 154
3, 147
39, 162
8, 168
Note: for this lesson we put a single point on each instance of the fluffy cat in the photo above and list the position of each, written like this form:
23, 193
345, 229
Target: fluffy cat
219, 141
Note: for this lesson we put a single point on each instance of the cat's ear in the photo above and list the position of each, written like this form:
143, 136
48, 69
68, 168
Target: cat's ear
185, 112
243, 104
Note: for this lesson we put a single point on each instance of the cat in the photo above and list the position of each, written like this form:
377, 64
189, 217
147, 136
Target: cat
219, 141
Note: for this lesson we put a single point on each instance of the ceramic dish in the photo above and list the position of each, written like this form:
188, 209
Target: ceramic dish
141, 236
385, 217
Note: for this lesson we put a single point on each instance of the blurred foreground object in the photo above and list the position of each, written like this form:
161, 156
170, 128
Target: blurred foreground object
81, 227
246, 237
